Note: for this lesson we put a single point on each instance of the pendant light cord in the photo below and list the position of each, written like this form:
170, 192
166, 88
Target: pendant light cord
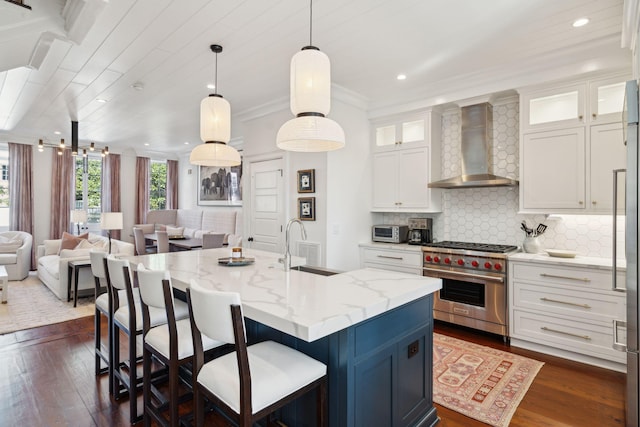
310, 21
216, 77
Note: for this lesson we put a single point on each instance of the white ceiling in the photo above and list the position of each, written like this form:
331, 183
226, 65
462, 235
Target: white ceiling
84, 50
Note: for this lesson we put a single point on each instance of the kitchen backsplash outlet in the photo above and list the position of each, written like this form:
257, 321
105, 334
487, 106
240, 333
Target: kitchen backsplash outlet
490, 215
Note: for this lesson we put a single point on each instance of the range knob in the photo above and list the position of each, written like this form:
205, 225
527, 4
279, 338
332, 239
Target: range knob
436, 259
498, 266
487, 265
447, 261
475, 263
428, 258
460, 262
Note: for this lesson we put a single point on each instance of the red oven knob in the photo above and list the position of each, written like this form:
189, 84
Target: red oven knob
436, 259
428, 258
460, 262
487, 265
475, 263
447, 261
498, 266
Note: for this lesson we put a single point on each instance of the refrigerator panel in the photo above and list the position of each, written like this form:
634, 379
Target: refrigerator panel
631, 237
632, 411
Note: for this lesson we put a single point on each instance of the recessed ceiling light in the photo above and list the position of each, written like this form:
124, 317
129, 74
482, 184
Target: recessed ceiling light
101, 100
146, 144
401, 77
580, 22
211, 86
57, 132
186, 143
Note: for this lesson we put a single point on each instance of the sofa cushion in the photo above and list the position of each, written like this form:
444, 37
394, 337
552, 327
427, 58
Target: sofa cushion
146, 228
74, 253
190, 218
10, 244
6, 259
51, 263
51, 247
98, 245
69, 241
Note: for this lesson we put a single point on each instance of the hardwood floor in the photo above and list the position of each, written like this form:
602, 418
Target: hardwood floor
47, 379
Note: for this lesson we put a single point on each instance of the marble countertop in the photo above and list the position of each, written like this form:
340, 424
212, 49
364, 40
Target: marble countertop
392, 246
578, 261
305, 305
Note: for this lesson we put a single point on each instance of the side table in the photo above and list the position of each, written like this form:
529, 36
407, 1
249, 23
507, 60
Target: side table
4, 283
74, 268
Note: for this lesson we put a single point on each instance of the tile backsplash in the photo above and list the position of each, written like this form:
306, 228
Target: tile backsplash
490, 215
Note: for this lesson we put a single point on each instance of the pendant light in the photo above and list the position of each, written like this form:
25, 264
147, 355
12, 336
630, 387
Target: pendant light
310, 90
215, 129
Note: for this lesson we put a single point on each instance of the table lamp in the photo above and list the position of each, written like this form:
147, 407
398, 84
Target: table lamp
111, 221
78, 216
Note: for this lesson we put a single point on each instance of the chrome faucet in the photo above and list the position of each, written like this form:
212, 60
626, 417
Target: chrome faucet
286, 260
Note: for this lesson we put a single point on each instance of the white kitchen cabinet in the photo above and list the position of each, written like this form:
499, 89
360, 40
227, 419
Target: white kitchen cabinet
398, 132
571, 141
402, 172
402, 258
552, 167
566, 310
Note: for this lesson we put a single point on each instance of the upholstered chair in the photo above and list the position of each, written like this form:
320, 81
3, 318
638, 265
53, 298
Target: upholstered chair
162, 242
212, 240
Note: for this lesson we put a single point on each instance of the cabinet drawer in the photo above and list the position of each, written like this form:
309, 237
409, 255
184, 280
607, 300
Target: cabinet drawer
582, 278
569, 302
397, 258
585, 338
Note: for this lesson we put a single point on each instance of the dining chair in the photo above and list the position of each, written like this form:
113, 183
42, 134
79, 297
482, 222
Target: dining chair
234, 240
162, 242
171, 344
141, 243
253, 381
212, 240
103, 308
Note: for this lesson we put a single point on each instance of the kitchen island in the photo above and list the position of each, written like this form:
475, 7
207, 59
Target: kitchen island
373, 329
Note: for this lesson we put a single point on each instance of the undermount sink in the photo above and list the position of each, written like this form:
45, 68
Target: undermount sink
316, 270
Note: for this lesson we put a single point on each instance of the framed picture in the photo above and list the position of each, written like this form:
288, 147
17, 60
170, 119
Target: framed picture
307, 208
307, 181
220, 186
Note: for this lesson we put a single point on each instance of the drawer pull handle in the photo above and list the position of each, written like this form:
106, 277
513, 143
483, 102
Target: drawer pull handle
398, 258
584, 337
545, 299
582, 279
617, 345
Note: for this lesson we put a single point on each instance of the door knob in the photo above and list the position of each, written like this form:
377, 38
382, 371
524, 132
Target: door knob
250, 239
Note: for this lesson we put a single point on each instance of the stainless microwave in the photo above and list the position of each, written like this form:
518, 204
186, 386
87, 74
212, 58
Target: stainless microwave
389, 233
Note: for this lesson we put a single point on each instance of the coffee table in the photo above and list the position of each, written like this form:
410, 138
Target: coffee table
4, 281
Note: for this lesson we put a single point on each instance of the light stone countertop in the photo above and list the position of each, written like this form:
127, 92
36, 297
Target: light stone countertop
304, 305
391, 246
578, 261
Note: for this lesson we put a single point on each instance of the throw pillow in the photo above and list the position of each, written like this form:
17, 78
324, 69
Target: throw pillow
10, 247
51, 247
175, 231
96, 246
69, 241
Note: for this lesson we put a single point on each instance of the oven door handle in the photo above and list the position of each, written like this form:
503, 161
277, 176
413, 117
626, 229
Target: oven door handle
458, 274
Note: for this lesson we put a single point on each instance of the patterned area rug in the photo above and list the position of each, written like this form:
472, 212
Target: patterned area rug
31, 304
480, 382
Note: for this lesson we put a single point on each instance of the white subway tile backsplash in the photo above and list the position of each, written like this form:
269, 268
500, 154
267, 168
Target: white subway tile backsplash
490, 215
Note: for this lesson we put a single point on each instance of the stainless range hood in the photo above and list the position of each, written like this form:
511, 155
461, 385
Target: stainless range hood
477, 134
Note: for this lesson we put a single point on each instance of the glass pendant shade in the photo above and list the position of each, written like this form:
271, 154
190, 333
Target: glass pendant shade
215, 154
215, 119
310, 134
310, 82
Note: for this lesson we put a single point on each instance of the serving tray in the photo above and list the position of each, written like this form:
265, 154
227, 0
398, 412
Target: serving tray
235, 262
560, 253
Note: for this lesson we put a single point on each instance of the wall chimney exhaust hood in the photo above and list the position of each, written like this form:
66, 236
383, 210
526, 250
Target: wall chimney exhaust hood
477, 136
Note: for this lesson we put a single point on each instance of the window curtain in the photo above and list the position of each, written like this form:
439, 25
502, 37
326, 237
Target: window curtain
21, 191
110, 192
172, 184
143, 165
61, 193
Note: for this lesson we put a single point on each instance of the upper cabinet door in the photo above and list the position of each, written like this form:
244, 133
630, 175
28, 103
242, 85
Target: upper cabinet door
606, 100
553, 108
607, 152
401, 134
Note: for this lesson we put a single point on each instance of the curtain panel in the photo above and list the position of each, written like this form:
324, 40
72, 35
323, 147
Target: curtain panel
21, 191
143, 166
110, 192
62, 193
172, 184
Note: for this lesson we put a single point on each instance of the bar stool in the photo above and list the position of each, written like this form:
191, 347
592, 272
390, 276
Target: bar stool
103, 308
170, 343
269, 376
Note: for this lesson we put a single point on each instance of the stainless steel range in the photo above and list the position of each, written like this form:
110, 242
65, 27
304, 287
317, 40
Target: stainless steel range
474, 283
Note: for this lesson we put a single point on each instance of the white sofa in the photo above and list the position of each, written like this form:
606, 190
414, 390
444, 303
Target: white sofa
53, 264
15, 253
196, 221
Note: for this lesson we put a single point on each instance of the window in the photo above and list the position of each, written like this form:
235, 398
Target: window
158, 186
88, 189
4, 186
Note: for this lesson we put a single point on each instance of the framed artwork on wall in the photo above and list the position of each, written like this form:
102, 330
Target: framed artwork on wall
307, 181
220, 186
307, 208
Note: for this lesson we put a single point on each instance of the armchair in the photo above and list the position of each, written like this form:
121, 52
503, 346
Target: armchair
15, 253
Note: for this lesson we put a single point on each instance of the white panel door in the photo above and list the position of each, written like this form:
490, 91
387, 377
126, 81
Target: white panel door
267, 206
